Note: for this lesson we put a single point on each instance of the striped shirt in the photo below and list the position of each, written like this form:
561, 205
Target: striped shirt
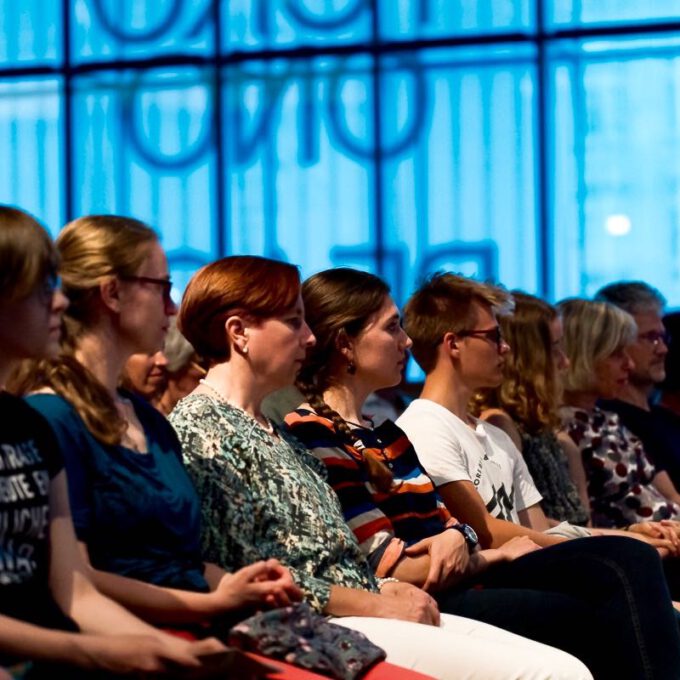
384, 523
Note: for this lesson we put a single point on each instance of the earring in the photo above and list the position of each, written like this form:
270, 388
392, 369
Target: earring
351, 368
245, 349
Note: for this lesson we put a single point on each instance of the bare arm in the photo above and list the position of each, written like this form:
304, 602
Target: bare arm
665, 487
126, 645
463, 502
533, 517
395, 601
262, 583
69, 581
502, 420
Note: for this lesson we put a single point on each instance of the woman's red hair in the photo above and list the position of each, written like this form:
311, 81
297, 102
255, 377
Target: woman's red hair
241, 284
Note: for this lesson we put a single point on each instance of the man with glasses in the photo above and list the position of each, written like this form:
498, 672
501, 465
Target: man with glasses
479, 472
657, 427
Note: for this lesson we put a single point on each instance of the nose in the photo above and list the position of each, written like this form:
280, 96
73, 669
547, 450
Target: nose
60, 302
504, 347
160, 360
408, 343
170, 307
309, 339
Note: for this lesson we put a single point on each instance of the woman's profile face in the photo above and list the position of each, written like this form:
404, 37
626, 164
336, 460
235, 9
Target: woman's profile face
612, 373
380, 350
147, 374
30, 328
277, 346
145, 305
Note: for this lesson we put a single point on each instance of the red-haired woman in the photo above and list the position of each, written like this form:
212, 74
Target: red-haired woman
264, 495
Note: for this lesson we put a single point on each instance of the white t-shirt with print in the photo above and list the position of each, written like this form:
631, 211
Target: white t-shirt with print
451, 451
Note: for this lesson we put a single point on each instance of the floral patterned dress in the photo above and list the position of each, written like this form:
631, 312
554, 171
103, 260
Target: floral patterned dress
264, 496
619, 473
550, 470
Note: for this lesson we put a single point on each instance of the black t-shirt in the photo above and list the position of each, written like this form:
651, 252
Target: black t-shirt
29, 459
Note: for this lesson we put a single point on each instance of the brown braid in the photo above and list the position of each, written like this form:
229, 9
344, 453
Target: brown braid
339, 303
378, 473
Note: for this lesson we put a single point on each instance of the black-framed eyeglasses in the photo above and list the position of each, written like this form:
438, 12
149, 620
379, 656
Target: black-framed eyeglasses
655, 338
494, 334
166, 284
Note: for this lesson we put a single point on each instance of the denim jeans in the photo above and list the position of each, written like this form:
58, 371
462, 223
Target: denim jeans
603, 599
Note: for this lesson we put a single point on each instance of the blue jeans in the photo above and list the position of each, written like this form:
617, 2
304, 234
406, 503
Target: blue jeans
604, 600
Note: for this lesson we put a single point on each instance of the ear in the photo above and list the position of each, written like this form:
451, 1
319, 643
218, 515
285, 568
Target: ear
109, 292
344, 345
450, 344
236, 330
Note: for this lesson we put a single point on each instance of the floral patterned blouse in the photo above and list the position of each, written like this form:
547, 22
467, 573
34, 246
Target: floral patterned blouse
264, 496
549, 468
619, 473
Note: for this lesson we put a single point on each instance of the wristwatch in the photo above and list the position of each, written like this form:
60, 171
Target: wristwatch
469, 534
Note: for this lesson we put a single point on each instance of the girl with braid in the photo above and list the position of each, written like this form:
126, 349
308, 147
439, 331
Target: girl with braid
397, 517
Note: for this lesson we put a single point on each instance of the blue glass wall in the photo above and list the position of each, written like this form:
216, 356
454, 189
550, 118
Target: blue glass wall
534, 142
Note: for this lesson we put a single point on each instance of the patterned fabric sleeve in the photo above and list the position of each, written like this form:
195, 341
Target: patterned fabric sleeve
238, 494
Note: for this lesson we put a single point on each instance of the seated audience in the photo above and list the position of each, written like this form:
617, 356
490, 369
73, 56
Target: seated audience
657, 427
525, 406
387, 499
484, 482
623, 485
46, 595
145, 374
136, 513
264, 494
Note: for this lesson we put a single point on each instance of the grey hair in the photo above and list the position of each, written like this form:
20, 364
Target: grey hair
592, 331
178, 350
634, 297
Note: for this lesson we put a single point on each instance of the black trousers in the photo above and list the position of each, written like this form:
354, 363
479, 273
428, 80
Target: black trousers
603, 599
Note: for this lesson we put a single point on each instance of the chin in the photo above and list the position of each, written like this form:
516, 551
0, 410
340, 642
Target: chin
51, 351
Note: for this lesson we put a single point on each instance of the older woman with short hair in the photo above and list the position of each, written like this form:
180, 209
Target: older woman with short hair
623, 485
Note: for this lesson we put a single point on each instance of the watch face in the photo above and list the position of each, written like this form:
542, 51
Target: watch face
470, 534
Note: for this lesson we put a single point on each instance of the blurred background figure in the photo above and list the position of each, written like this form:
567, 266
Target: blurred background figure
164, 377
146, 375
183, 369
658, 427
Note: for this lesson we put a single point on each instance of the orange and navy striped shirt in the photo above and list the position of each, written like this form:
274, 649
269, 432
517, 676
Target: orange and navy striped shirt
383, 523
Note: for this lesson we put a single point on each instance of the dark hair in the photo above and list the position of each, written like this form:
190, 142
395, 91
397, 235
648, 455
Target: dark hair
241, 284
632, 296
338, 302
